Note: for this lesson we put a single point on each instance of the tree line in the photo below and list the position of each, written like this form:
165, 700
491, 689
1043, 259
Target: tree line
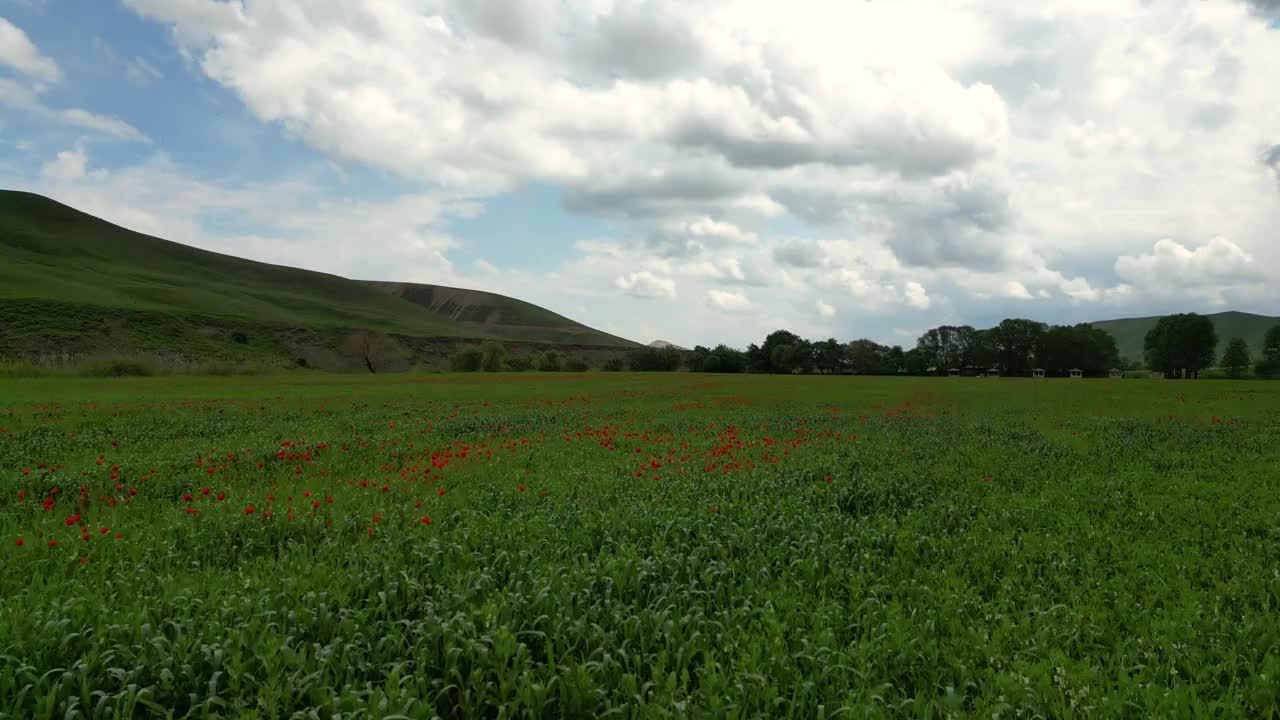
1014, 347
1180, 345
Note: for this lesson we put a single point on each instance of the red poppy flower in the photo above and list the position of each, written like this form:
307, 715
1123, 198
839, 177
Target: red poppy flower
248, 510
20, 543
426, 520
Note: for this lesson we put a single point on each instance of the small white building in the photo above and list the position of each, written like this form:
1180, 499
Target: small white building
1076, 373
1156, 375
953, 372
1037, 373
1117, 374
993, 372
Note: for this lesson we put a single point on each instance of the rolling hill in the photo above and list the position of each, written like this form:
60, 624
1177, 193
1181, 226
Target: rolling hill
74, 283
491, 314
1131, 332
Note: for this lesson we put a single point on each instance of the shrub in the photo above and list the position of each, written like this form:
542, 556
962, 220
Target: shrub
614, 364
575, 365
23, 369
491, 356
239, 338
549, 361
120, 367
519, 364
468, 360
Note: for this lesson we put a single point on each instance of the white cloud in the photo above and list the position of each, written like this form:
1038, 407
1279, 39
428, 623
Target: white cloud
1211, 271
142, 73
68, 165
15, 95
295, 223
728, 301
645, 284
916, 296
819, 153
18, 52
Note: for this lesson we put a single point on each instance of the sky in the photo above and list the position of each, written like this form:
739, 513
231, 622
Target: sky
697, 171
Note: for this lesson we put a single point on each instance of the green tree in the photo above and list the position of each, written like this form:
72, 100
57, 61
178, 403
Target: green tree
1181, 345
828, 355
549, 361
696, 359
916, 362
864, 357
780, 353
650, 359
1015, 343
492, 355
1236, 357
1070, 347
466, 360
519, 363
1269, 366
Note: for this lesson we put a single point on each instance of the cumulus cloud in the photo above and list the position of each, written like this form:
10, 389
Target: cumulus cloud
999, 157
798, 253
824, 310
18, 52
728, 301
68, 165
1172, 269
645, 284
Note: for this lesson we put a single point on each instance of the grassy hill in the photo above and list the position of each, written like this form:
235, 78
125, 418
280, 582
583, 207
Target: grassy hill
75, 283
498, 315
1130, 332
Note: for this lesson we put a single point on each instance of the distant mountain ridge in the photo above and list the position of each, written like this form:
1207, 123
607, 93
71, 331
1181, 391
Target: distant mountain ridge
660, 344
1130, 333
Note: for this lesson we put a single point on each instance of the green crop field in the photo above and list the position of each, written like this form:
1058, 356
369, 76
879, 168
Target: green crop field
666, 545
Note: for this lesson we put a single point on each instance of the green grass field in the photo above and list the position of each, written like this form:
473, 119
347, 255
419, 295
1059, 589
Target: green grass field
638, 546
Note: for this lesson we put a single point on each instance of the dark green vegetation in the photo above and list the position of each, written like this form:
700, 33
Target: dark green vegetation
1130, 333
1181, 344
624, 545
73, 284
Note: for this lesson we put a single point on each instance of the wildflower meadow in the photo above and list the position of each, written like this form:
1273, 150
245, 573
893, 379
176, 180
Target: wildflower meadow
660, 545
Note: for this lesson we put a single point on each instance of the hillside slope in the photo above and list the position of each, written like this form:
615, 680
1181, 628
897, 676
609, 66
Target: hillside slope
51, 252
498, 315
73, 283
1131, 332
